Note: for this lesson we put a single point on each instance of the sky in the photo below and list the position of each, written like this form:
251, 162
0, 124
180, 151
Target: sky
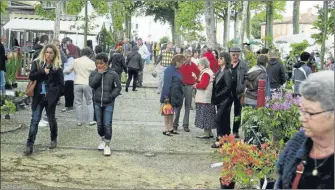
157, 30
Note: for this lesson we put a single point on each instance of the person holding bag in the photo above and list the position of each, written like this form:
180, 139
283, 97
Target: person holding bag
47, 72
172, 91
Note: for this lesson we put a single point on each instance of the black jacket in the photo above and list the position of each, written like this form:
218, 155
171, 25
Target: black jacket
134, 60
38, 48
221, 87
254, 75
276, 72
106, 87
118, 63
54, 83
3, 58
242, 70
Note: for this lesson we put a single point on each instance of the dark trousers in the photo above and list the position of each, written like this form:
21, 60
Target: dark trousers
237, 112
132, 75
140, 76
104, 116
187, 100
222, 120
36, 117
68, 93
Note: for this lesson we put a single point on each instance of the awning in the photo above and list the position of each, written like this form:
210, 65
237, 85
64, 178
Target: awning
45, 25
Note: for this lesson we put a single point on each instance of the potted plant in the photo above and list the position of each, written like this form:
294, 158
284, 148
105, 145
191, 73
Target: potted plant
12, 67
241, 163
7, 108
277, 122
268, 154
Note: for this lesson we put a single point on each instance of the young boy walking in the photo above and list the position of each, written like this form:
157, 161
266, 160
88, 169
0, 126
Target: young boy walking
106, 86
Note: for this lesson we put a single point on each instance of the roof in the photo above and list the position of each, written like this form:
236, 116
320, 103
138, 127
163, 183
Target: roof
37, 17
45, 25
305, 18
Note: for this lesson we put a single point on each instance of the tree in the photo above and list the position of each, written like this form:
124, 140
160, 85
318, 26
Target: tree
319, 23
269, 24
324, 35
296, 16
210, 23
260, 15
165, 12
57, 19
3, 6
243, 23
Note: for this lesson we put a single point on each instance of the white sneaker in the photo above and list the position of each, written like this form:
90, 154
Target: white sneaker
107, 151
43, 123
101, 145
92, 123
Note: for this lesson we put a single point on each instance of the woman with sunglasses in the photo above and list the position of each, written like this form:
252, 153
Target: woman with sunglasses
307, 161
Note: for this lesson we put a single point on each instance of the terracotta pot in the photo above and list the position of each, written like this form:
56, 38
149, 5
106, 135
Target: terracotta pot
230, 186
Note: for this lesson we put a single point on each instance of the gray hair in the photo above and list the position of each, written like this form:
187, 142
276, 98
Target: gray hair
319, 87
204, 62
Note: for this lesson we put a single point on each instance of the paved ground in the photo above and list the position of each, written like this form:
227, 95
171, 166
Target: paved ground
141, 156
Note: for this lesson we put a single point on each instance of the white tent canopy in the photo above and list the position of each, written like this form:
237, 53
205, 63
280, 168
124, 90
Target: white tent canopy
296, 38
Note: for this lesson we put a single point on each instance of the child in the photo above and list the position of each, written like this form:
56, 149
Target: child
106, 86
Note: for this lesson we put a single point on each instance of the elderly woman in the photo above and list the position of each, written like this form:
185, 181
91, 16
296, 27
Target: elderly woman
46, 70
307, 161
222, 96
205, 111
172, 91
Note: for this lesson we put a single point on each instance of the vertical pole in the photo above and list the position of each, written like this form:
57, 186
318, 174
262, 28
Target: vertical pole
86, 25
59, 6
261, 93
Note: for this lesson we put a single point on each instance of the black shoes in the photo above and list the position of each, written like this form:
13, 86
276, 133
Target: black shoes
53, 145
174, 132
236, 135
167, 133
126, 90
186, 129
28, 151
204, 137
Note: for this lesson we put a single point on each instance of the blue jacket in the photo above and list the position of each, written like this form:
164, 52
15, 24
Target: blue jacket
295, 151
172, 86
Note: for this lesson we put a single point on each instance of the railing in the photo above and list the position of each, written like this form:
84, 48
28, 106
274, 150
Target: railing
26, 60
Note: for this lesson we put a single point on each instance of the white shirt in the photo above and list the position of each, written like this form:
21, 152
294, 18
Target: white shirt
143, 50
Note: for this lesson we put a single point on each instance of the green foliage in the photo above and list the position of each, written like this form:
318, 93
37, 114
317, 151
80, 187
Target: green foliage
105, 38
270, 41
3, 6
258, 19
8, 108
318, 24
162, 11
164, 40
117, 12
12, 66
188, 17
278, 121
298, 48
250, 58
48, 14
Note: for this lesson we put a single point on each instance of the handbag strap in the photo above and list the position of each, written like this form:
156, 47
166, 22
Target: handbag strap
299, 172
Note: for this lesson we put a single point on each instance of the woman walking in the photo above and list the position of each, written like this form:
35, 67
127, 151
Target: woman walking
172, 91
72, 53
205, 111
222, 97
47, 72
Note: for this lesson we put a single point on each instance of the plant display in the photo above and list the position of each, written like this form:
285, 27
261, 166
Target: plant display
277, 121
298, 48
12, 66
268, 154
241, 162
8, 108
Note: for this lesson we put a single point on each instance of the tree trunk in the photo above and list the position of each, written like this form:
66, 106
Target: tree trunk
59, 6
296, 16
324, 32
210, 23
86, 26
243, 23
248, 22
269, 24
226, 35
129, 27
236, 25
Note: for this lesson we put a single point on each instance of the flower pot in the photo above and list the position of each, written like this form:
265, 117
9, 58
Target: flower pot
7, 116
269, 185
14, 85
8, 86
230, 186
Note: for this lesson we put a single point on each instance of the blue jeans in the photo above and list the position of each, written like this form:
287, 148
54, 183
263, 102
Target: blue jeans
36, 117
2, 81
104, 116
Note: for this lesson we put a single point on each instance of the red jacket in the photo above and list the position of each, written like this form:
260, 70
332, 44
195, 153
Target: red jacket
186, 71
213, 63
